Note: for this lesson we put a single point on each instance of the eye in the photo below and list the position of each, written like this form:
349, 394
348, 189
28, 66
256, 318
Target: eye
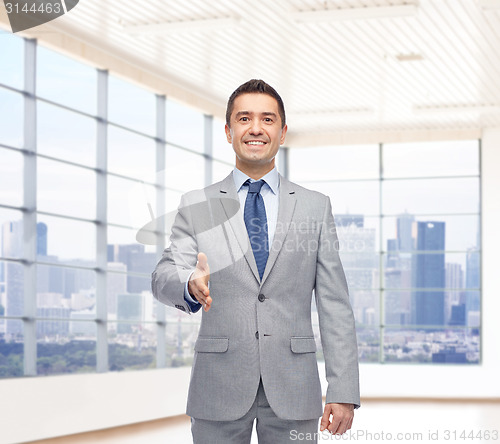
268, 120
244, 119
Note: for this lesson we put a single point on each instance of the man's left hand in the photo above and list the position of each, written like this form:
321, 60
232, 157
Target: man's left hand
343, 414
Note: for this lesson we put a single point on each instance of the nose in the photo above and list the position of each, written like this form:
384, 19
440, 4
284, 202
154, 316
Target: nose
256, 127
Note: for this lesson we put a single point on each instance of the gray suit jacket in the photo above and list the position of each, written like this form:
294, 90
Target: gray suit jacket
262, 329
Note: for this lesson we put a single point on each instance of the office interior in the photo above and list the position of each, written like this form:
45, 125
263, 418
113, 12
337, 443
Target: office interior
113, 110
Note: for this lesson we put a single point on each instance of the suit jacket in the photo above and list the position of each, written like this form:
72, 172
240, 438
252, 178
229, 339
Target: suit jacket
262, 329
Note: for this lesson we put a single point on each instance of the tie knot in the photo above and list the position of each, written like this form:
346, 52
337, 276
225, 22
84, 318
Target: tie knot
254, 187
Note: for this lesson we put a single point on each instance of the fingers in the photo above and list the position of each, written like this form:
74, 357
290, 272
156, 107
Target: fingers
349, 425
202, 265
198, 284
201, 292
343, 416
205, 298
325, 419
334, 426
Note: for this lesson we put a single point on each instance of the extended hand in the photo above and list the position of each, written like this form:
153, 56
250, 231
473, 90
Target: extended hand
343, 414
198, 283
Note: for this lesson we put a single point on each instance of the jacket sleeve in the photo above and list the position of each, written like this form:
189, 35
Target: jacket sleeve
177, 263
336, 319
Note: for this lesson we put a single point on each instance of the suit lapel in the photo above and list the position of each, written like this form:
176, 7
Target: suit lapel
227, 194
286, 208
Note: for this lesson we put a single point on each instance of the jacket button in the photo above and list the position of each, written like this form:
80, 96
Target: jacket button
257, 334
261, 297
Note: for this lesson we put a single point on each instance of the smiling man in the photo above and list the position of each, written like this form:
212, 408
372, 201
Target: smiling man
255, 274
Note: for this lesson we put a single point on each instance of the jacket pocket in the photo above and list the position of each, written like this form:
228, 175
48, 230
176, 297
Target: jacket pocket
303, 344
211, 345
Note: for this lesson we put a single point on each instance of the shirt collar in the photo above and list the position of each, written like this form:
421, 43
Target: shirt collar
272, 179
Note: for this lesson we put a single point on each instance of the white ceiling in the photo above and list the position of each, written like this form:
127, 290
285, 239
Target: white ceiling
334, 75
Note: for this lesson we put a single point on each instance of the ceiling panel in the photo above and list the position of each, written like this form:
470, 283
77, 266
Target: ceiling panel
439, 69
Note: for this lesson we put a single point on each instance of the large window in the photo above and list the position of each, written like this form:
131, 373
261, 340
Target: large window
408, 221
77, 184
88, 161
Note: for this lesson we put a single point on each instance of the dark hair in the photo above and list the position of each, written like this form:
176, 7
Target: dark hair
255, 86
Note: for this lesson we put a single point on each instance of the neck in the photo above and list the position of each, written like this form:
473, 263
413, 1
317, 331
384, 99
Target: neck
255, 171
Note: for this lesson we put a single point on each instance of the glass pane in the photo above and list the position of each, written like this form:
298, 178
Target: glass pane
368, 344
11, 297
366, 306
11, 118
431, 270
180, 336
357, 233
185, 126
130, 202
397, 307
66, 189
460, 307
132, 346
65, 347
66, 81
221, 149
446, 346
439, 280
425, 159
131, 106
60, 287
427, 196
361, 269
472, 301
124, 249
130, 307
172, 201
350, 197
68, 241
11, 348
131, 155
117, 285
11, 239
11, 60
11, 177
3, 295
66, 135
138, 303
460, 232
334, 163
184, 171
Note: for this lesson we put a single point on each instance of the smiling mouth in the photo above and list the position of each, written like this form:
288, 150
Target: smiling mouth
255, 143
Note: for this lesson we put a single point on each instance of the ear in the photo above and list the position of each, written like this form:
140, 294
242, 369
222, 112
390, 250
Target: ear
283, 134
228, 134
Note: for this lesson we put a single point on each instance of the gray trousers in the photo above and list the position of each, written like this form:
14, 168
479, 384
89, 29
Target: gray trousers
270, 428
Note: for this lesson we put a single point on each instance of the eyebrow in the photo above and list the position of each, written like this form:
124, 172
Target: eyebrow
246, 113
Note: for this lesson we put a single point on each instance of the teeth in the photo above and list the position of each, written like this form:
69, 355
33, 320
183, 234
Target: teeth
255, 143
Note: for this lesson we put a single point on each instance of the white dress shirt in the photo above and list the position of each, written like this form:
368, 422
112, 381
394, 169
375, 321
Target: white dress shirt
270, 195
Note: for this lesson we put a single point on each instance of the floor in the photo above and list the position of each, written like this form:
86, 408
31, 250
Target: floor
383, 421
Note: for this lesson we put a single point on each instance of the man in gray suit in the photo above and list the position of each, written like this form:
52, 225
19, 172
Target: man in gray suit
252, 250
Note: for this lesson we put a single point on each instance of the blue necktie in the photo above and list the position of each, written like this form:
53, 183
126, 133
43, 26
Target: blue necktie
256, 223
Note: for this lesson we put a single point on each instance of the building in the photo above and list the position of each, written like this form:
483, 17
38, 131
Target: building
12, 246
130, 309
428, 298
56, 326
454, 294
137, 260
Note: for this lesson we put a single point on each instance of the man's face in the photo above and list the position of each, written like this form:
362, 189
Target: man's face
255, 131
